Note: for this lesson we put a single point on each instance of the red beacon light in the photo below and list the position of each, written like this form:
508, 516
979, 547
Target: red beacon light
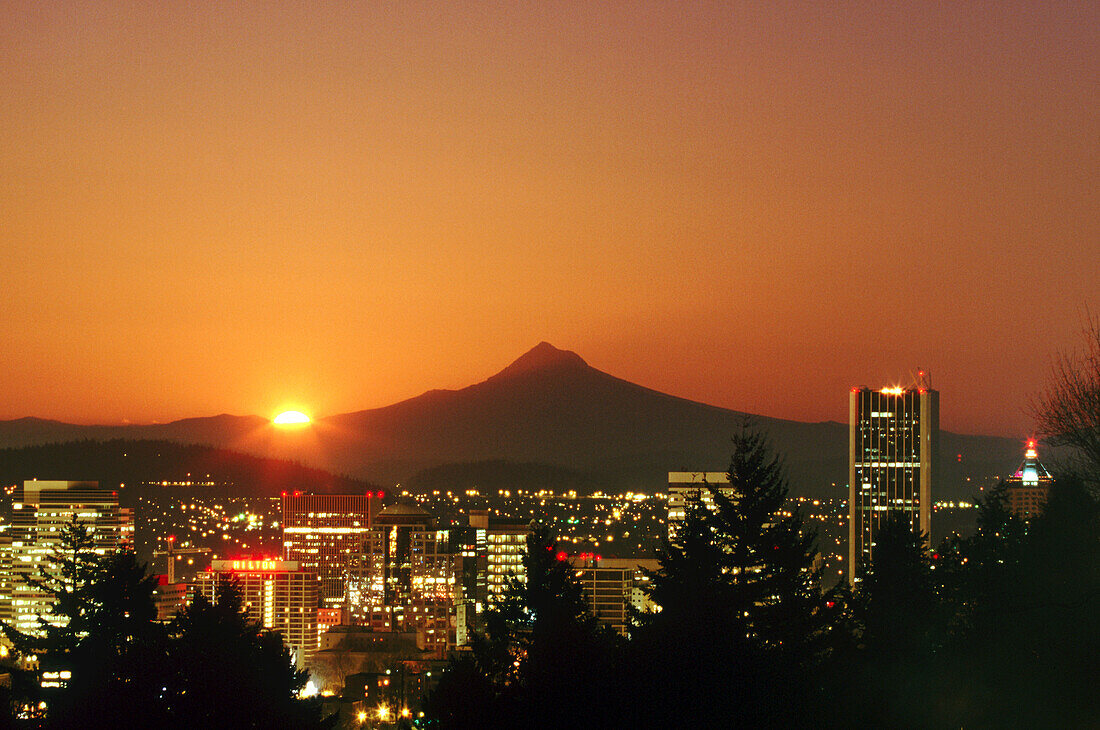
562, 557
381, 494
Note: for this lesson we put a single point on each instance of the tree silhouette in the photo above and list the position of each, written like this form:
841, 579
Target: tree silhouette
540, 660
742, 623
230, 672
1069, 412
211, 668
99, 628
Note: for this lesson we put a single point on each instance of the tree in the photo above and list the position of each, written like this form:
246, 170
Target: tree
99, 629
742, 620
229, 672
540, 658
898, 615
1069, 412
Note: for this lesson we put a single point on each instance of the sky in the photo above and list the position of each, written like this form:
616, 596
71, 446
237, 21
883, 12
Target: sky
242, 208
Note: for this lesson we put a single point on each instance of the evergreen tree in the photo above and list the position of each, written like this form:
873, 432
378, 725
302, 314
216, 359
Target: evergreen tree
99, 629
1056, 632
742, 623
901, 622
540, 659
229, 672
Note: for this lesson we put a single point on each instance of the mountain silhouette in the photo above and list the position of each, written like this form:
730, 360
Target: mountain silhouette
547, 407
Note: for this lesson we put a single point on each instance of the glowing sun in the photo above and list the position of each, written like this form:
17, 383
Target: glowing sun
291, 418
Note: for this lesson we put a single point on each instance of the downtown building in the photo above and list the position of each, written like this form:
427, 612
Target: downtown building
405, 578
1028, 488
28, 547
279, 595
892, 456
614, 588
688, 485
322, 532
498, 546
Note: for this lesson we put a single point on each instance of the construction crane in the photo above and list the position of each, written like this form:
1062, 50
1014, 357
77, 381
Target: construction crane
172, 551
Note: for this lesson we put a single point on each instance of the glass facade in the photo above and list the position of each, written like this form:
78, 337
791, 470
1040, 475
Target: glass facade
322, 532
894, 435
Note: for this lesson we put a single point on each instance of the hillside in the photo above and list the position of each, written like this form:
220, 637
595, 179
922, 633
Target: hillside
121, 462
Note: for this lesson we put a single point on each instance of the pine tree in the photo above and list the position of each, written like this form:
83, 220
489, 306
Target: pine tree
742, 620
99, 630
901, 623
540, 659
230, 672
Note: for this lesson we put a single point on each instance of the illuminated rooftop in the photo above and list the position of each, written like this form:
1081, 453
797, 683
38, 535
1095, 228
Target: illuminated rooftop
1031, 472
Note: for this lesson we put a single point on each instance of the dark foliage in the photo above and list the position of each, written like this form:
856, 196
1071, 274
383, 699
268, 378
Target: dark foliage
743, 626
1069, 412
541, 660
229, 672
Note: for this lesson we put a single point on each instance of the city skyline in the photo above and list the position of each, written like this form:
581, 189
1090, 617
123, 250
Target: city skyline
250, 208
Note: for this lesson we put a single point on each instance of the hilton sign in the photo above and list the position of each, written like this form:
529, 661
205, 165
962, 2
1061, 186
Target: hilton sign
254, 566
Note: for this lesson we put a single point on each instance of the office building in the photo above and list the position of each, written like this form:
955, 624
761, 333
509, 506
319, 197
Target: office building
1028, 488
39, 512
279, 595
892, 456
169, 598
322, 531
404, 577
614, 588
503, 543
685, 485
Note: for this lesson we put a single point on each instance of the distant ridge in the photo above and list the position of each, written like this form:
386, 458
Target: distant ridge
120, 462
548, 407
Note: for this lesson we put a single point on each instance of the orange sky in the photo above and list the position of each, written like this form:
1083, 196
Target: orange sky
225, 207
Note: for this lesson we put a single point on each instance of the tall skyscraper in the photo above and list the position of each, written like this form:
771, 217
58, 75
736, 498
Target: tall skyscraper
1029, 486
892, 454
503, 543
40, 509
322, 531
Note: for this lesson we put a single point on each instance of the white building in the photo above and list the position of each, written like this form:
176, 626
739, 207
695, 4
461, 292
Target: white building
40, 509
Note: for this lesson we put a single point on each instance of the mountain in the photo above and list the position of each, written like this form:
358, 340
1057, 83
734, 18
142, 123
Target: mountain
548, 408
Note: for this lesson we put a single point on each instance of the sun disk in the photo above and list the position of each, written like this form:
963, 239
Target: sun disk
291, 418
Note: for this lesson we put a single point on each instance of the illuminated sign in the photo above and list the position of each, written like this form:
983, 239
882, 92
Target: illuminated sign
253, 566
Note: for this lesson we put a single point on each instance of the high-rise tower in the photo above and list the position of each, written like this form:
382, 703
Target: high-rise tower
892, 453
321, 532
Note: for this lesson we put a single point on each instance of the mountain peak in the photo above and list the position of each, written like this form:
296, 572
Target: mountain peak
543, 356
